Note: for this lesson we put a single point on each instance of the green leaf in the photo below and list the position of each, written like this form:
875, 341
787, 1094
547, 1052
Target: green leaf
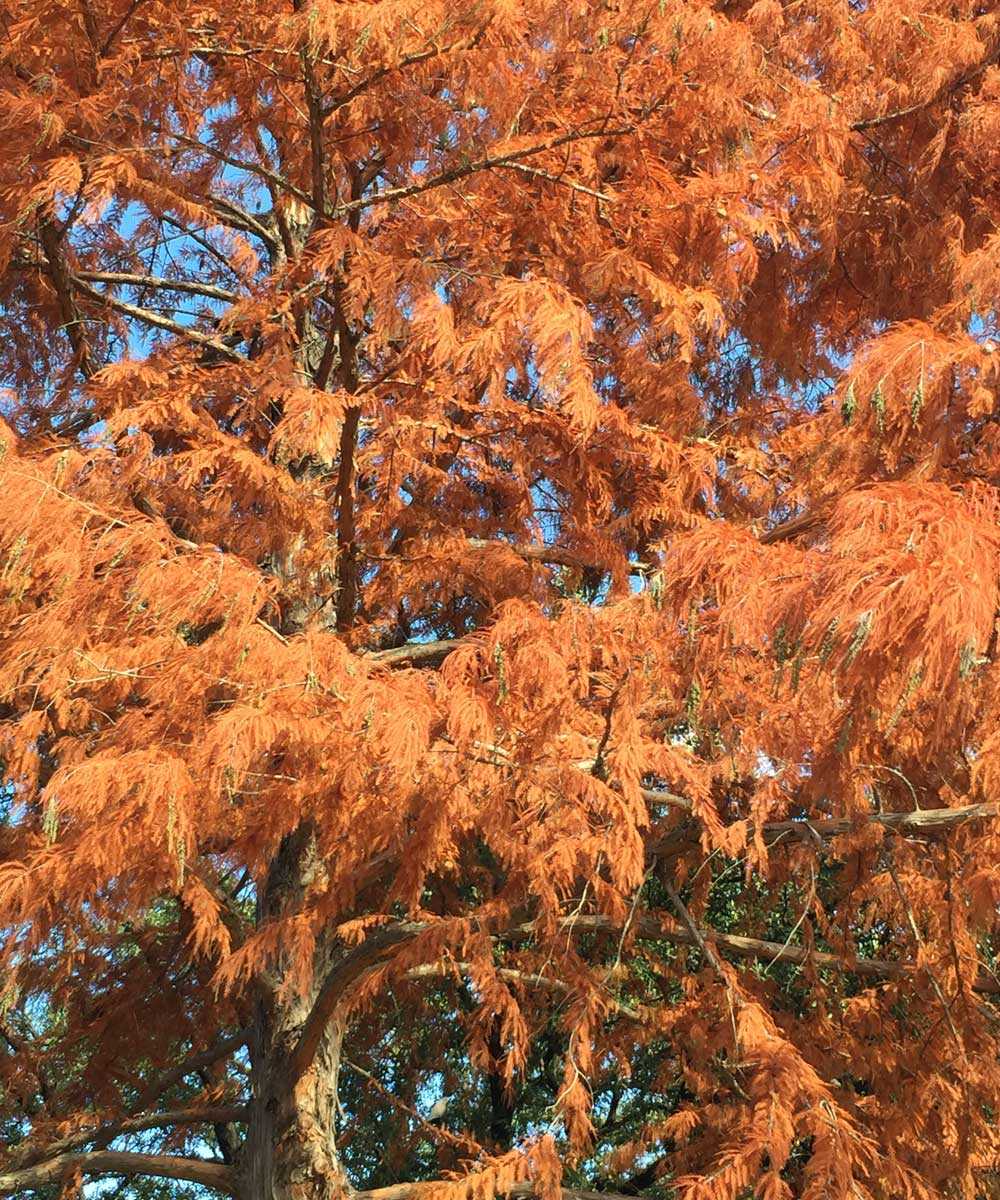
850, 405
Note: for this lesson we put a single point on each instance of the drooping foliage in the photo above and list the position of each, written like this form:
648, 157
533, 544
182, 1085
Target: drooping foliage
499, 551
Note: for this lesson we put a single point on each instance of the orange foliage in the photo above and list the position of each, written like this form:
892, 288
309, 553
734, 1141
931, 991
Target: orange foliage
475, 478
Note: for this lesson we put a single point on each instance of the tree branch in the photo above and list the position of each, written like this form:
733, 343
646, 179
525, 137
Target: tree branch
561, 180
377, 76
443, 970
337, 983
789, 529
62, 283
555, 555
417, 652
364, 958
232, 216
314, 102
868, 968
152, 318
220, 1049
209, 1174
103, 1134
116, 29
869, 122
241, 164
924, 820
482, 164
156, 281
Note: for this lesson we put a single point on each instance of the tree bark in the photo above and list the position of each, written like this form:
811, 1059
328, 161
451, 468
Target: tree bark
291, 1147
291, 1150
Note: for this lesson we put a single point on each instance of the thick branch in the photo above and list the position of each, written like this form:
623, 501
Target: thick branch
430, 653
337, 983
118, 1162
62, 282
104, 1134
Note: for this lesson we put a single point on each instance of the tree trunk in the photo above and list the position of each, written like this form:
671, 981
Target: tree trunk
291, 1151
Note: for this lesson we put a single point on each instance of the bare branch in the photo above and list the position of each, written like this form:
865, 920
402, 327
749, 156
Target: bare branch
157, 281
209, 1174
152, 318
417, 652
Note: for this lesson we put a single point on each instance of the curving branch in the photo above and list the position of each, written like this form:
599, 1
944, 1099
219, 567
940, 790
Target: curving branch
102, 1135
338, 982
202, 1171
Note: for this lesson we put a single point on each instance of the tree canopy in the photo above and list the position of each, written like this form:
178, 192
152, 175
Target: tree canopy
499, 558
